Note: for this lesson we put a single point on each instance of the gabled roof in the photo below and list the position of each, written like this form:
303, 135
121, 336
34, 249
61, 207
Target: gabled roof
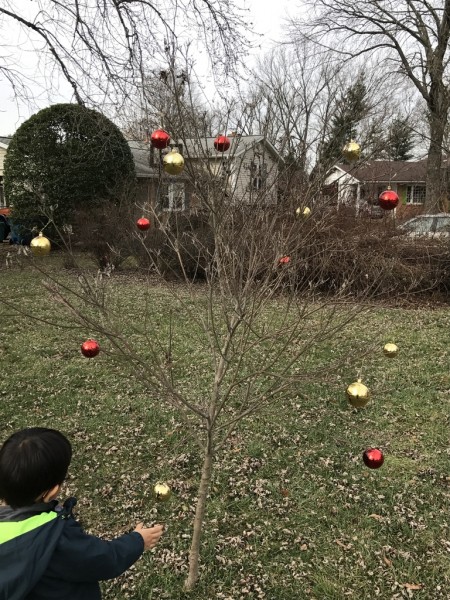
398, 171
204, 147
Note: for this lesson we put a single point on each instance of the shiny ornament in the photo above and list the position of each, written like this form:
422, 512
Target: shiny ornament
388, 199
162, 491
373, 458
40, 245
284, 260
90, 348
303, 212
143, 224
160, 139
173, 163
390, 350
358, 394
222, 143
351, 151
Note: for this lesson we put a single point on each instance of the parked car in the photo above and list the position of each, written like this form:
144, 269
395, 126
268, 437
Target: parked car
436, 226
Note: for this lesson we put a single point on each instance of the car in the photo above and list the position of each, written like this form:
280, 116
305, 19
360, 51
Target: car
436, 226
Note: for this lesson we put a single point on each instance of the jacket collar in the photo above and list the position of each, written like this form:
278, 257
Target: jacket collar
7, 513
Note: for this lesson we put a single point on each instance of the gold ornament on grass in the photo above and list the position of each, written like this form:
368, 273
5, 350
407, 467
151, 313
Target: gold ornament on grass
303, 212
351, 151
173, 163
358, 394
390, 350
162, 491
40, 245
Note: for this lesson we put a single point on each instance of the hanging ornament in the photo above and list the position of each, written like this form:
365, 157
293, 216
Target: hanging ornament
160, 139
373, 458
143, 224
173, 163
388, 199
222, 143
284, 260
162, 492
40, 245
303, 212
390, 350
351, 151
358, 394
90, 348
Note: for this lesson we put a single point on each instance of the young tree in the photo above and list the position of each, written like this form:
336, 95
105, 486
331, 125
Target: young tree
416, 35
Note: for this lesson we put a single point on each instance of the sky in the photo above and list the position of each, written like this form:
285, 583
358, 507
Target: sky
266, 15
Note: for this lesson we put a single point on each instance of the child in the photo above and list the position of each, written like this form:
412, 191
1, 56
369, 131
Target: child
44, 553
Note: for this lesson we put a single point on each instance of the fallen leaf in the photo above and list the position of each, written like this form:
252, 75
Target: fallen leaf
387, 562
413, 586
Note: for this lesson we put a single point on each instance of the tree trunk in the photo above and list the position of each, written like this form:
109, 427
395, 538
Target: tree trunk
194, 553
433, 201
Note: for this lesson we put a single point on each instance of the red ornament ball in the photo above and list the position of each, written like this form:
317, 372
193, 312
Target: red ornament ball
90, 348
143, 224
373, 458
160, 139
222, 143
388, 199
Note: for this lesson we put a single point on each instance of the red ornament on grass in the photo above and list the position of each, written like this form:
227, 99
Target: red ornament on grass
143, 224
222, 143
284, 260
373, 458
388, 199
90, 348
160, 139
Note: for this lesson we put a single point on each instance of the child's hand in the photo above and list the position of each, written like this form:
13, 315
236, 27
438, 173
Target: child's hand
150, 535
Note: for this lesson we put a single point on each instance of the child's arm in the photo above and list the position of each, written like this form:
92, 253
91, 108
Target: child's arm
80, 557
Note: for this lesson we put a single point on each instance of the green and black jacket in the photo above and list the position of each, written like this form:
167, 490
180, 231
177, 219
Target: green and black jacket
45, 555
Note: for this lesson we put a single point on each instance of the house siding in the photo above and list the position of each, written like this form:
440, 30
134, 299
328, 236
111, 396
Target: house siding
2, 160
246, 169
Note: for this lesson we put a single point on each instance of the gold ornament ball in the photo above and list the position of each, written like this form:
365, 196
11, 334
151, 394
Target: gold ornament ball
173, 163
358, 394
351, 151
390, 350
162, 491
40, 245
303, 212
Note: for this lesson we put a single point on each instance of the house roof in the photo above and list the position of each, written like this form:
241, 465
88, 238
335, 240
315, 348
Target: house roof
399, 171
198, 148
141, 156
204, 147
4, 141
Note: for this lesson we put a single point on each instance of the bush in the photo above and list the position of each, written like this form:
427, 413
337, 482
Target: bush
63, 159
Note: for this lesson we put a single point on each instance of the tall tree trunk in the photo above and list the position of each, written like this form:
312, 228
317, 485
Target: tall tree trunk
433, 201
194, 553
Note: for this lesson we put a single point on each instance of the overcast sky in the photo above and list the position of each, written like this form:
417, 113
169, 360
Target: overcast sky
266, 15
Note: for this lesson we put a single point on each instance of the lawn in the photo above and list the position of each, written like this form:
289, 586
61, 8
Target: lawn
293, 512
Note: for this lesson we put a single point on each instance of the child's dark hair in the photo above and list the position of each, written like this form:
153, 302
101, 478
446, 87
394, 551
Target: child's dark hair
32, 461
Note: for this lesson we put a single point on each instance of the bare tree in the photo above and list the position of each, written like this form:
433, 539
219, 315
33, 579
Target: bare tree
416, 35
104, 49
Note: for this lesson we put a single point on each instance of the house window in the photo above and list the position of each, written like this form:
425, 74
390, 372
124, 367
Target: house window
173, 197
415, 194
258, 176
